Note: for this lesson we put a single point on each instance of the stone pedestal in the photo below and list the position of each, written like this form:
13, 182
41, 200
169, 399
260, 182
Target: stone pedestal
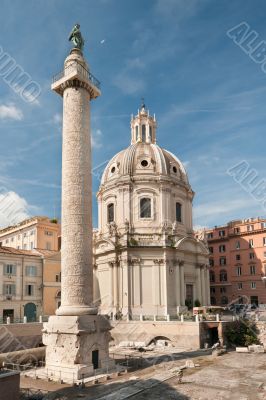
76, 346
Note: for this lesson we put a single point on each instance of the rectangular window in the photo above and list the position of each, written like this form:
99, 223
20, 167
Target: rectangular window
31, 270
250, 243
251, 256
264, 254
250, 228
25, 234
222, 248
24, 246
110, 212
9, 289
263, 225
238, 257
31, 233
48, 233
239, 286
239, 271
178, 209
238, 245
31, 245
145, 207
222, 290
253, 285
252, 270
222, 233
236, 230
29, 290
210, 235
211, 262
222, 260
58, 277
212, 290
10, 269
211, 249
264, 241
12, 239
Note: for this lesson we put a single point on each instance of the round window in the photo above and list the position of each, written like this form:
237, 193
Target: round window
174, 169
113, 170
144, 163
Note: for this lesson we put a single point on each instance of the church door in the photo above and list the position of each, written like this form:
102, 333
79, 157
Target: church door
189, 295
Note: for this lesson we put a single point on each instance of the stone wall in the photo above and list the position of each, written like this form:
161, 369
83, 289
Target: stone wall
186, 334
9, 384
15, 337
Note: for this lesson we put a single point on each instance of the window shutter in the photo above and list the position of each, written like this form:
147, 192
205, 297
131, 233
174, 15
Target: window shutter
14, 270
13, 289
5, 269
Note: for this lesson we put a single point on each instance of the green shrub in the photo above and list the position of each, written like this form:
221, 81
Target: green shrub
197, 303
241, 333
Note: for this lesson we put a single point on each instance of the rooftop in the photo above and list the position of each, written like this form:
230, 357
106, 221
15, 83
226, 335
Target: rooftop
12, 250
26, 222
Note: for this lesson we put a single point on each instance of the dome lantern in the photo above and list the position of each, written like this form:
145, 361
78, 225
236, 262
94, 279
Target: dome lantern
143, 126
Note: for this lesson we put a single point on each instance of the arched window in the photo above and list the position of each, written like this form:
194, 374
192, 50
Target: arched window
178, 212
143, 133
110, 212
213, 301
212, 276
145, 207
137, 132
224, 300
223, 276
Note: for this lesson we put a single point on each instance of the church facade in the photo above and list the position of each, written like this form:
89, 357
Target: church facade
147, 260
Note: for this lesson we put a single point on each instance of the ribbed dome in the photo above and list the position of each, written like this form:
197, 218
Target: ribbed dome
144, 159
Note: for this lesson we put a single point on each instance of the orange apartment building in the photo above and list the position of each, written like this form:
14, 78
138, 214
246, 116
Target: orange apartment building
34, 239
33, 233
238, 262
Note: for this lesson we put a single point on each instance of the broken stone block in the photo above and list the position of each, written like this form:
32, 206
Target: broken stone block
242, 350
256, 348
190, 364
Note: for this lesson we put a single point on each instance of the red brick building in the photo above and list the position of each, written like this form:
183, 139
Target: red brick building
238, 262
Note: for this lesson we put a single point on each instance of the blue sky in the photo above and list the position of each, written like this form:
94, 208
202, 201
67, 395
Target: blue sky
208, 95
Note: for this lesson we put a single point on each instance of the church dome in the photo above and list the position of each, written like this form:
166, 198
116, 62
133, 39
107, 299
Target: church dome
144, 157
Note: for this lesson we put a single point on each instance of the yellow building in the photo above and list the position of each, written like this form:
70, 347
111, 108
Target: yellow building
34, 233
51, 281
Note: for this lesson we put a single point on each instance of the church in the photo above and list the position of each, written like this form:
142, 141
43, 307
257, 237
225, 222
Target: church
147, 260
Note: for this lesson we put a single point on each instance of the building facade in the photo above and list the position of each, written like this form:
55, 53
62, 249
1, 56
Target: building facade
146, 257
20, 284
30, 283
238, 262
33, 233
51, 281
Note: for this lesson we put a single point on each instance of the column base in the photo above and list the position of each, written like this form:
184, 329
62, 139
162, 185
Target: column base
76, 346
76, 310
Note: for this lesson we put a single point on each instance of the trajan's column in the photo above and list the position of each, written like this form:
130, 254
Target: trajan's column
77, 339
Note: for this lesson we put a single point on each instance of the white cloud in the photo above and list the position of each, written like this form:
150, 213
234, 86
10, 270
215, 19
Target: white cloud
96, 139
10, 111
13, 209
